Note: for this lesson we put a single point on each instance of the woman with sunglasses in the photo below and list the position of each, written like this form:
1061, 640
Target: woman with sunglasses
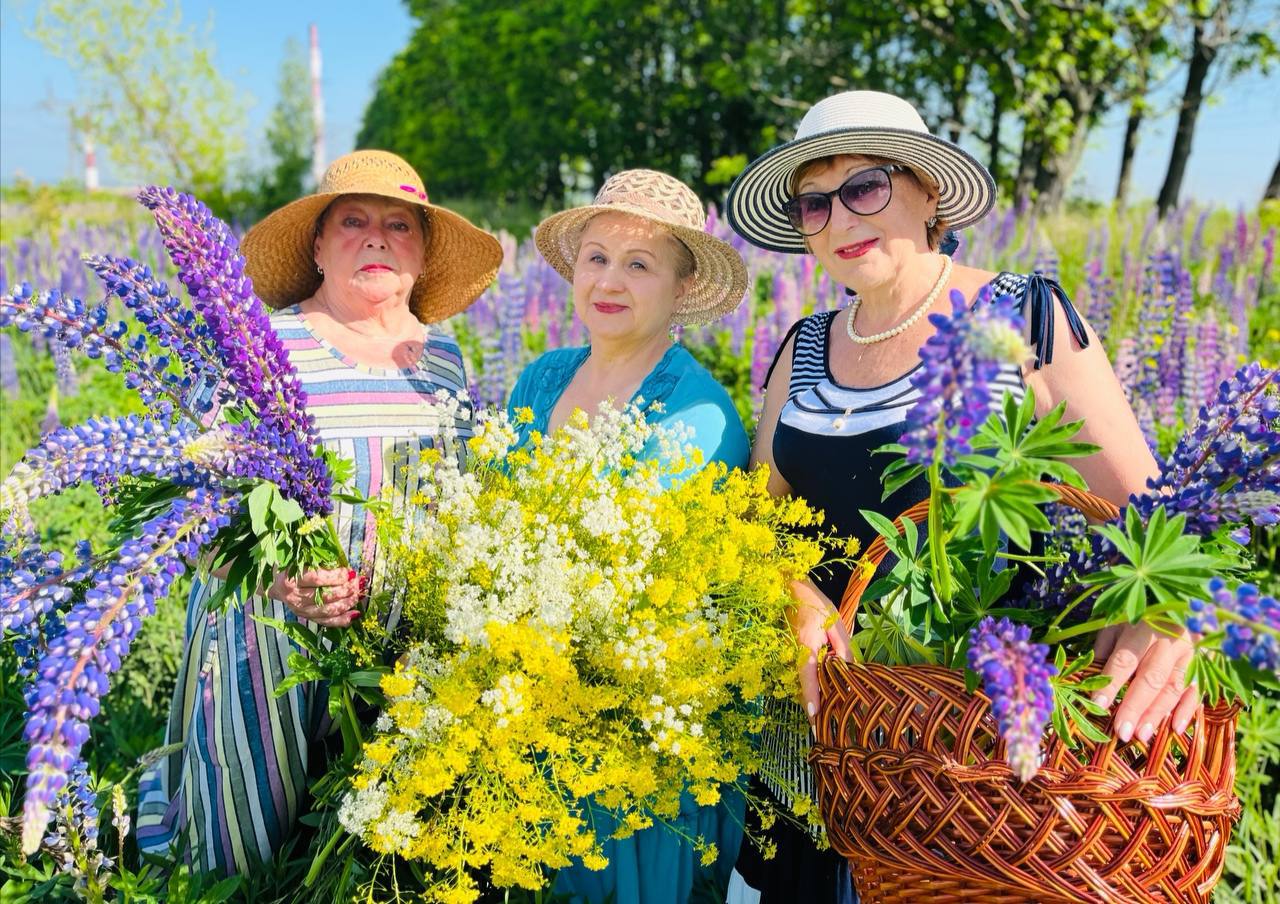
867, 190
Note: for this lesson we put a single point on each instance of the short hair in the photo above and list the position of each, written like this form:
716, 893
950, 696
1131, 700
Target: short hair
933, 234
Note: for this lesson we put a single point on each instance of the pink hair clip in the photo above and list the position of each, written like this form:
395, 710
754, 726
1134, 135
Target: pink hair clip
422, 195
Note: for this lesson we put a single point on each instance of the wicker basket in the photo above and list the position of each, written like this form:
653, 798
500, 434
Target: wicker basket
915, 792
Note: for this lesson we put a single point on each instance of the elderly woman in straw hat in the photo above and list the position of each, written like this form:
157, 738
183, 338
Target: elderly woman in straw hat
358, 273
867, 190
640, 261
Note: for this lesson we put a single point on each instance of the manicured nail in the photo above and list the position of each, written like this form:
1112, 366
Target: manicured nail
1145, 732
353, 614
1102, 700
351, 575
1126, 731
813, 710
1180, 726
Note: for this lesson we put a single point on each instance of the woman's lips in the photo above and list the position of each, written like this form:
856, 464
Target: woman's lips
605, 308
371, 268
849, 252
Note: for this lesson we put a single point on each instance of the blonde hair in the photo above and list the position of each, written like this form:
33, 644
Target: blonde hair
933, 234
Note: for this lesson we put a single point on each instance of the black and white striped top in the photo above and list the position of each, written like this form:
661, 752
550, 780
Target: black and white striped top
823, 447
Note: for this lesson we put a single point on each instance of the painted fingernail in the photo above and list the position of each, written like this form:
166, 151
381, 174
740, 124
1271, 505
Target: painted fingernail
813, 710
1180, 726
1125, 733
1102, 700
351, 575
353, 614
1145, 732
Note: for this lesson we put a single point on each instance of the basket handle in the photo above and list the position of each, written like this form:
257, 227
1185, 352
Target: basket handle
1083, 501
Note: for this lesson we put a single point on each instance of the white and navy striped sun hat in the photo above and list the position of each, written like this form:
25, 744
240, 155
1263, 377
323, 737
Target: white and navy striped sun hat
868, 123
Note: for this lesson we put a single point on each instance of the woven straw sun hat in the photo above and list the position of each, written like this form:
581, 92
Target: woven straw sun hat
865, 123
720, 277
459, 263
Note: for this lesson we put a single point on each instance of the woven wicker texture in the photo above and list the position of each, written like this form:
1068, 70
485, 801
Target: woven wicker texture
915, 792
720, 277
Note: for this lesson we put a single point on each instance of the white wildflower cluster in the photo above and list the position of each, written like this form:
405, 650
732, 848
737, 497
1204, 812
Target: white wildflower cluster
501, 563
495, 434
362, 808
668, 723
713, 620
507, 699
642, 648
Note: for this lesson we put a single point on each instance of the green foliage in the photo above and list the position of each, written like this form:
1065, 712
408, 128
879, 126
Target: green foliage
152, 98
290, 132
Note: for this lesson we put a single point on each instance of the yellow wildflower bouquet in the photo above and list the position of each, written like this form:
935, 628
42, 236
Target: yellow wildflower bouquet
595, 618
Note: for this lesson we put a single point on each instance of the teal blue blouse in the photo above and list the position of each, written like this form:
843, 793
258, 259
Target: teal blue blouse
657, 865
690, 396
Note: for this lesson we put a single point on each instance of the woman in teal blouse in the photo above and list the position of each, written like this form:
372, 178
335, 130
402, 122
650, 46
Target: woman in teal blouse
640, 261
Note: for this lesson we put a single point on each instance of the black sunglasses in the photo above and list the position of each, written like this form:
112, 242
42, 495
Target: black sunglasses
865, 193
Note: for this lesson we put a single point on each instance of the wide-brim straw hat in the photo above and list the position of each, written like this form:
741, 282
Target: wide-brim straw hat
863, 123
719, 282
459, 262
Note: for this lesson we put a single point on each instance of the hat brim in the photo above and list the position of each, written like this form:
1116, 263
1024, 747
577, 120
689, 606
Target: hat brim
459, 262
720, 276
754, 205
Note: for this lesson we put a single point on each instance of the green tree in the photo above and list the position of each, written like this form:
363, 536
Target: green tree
1225, 34
149, 93
290, 133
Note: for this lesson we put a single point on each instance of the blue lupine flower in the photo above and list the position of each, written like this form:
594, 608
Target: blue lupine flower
1249, 622
960, 361
1016, 677
72, 673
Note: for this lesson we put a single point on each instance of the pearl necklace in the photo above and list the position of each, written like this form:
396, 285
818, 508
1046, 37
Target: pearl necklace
910, 321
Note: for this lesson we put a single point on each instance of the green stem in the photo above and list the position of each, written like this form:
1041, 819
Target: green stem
1097, 624
318, 863
937, 538
1075, 602
352, 738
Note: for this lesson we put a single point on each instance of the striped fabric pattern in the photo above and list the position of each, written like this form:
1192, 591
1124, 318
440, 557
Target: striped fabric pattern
229, 797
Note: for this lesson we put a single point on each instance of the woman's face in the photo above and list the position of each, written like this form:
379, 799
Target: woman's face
370, 248
863, 252
625, 280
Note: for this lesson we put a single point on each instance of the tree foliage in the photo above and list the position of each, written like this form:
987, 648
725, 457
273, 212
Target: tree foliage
523, 99
150, 95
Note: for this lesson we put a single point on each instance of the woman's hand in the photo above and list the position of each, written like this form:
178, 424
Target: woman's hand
340, 588
1157, 664
816, 624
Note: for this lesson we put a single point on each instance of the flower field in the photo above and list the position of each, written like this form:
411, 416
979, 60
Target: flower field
1179, 305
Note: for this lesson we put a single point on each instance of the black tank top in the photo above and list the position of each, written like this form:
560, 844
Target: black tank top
826, 432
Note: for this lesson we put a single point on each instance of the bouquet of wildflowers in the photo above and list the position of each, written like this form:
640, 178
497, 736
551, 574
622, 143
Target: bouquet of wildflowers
1175, 557
587, 642
253, 483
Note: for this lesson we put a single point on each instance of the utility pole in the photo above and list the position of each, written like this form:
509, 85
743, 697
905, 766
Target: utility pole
318, 162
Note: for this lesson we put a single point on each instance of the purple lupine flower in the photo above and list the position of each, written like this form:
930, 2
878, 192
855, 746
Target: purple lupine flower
72, 674
35, 582
1248, 621
1228, 465
255, 365
1016, 677
64, 322
960, 360
9, 384
100, 448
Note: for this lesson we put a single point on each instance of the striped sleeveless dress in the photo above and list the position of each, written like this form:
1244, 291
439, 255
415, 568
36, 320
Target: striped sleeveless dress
230, 795
823, 447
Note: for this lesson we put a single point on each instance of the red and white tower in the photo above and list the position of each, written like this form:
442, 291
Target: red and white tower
90, 166
318, 162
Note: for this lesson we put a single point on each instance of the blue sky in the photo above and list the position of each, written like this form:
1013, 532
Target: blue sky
1235, 148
